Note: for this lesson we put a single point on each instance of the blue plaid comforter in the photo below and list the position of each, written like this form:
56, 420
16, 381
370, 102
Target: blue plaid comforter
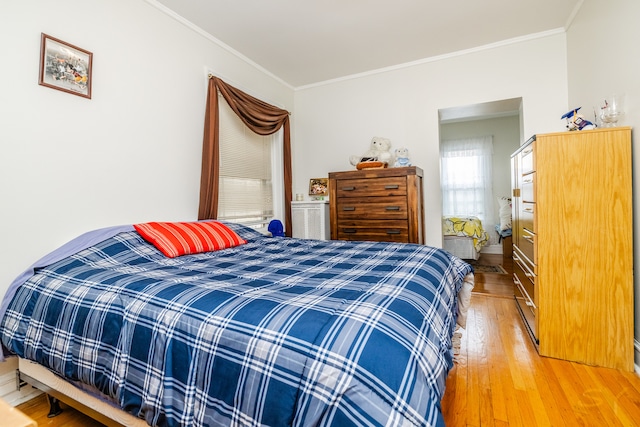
276, 332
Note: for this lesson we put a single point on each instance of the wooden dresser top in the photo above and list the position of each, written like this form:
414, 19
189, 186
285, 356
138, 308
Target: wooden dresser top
377, 173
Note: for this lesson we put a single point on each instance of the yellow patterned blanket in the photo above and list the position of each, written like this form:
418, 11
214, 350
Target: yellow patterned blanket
466, 226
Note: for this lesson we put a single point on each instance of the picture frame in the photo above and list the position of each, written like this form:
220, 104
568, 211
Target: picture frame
65, 67
319, 187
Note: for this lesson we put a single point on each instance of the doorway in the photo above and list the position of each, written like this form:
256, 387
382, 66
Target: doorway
502, 120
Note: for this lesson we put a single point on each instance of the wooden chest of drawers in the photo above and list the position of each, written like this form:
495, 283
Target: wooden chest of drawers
573, 244
377, 204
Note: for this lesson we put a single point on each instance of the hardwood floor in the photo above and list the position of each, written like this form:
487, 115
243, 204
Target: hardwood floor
498, 378
38, 409
494, 284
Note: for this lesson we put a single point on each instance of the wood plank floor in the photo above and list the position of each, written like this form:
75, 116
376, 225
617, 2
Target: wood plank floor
38, 409
494, 283
498, 379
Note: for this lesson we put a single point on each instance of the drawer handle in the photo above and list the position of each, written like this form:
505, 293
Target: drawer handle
515, 279
526, 270
348, 208
348, 188
350, 230
393, 231
391, 187
527, 298
527, 181
392, 208
527, 151
528, 238
528, 210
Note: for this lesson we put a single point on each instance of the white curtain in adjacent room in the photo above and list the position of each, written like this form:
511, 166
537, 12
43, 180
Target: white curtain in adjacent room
466, 178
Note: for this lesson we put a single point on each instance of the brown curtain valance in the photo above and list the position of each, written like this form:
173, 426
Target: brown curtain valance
261, 118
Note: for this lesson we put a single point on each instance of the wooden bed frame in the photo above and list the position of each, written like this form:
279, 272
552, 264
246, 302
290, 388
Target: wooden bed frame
98, 409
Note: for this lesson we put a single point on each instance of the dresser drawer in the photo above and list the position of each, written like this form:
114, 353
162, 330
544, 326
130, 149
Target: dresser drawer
528, 188
377, 205
523, 271
527, 163
381, 231
372, 187
373, 208
527, 308
528, 216
527, 244
526, 282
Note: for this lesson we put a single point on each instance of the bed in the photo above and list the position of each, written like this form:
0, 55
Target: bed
463, 236
263, 331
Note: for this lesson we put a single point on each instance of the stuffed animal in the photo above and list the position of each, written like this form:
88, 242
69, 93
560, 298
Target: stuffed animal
379, 151
402, 157
576, 121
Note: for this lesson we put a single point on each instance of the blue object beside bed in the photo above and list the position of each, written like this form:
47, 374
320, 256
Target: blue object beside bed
502, 233
277, 331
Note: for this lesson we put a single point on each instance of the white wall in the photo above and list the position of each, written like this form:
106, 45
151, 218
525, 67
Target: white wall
338, 119
603, 59
132, 153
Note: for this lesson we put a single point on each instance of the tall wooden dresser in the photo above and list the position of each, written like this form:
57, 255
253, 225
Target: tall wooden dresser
377, 204
573, 245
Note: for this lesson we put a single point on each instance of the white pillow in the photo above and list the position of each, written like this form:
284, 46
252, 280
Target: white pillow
505, 213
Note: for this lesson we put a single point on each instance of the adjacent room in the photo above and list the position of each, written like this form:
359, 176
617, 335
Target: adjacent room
319, 213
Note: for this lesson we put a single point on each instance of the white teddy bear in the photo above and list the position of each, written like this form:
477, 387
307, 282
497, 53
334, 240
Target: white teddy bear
402, 157
379, 150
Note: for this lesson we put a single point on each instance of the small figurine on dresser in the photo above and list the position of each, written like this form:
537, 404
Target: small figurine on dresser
576, 121
378, 155
402, 157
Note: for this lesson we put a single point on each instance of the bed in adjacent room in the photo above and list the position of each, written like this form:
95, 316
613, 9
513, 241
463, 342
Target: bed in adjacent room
190, 324
463, 236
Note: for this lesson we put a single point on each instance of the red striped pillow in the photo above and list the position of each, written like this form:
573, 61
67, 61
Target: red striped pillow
182, 238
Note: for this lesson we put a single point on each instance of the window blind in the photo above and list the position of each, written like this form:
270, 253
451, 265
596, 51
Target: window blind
246, 183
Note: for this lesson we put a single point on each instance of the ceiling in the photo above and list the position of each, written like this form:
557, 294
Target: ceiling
304, 42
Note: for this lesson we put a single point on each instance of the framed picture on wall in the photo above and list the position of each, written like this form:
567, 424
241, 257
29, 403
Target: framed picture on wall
65, 67
319, 187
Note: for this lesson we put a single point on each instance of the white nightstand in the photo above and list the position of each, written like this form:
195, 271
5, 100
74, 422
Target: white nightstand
310, 220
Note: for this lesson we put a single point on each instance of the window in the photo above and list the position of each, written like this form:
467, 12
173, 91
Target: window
466, 178
250, 190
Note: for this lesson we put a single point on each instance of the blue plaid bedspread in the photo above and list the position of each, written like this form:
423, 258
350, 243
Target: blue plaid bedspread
276, 332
